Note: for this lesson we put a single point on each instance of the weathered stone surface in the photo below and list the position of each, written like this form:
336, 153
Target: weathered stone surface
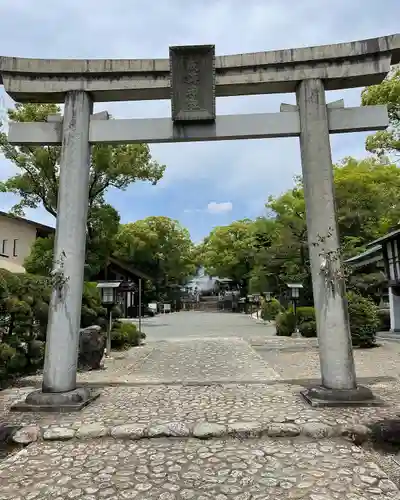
317, 430
173, 469
129, 431
27, 434
92, 431
58, 434
387, 486
357, 433
205, 430
246, 429
283, 430
92, 342
192, 83
173, 429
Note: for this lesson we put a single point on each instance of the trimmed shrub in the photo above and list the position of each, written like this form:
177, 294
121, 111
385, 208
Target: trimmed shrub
305, 314
7, 354
306, 321
285, 323
270, 310
24, 306
93, 312
308, 329
364, 320
125, 335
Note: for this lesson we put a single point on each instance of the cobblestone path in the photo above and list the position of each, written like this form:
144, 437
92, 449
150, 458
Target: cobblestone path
221, 404
187, 376
211, 360
191, 469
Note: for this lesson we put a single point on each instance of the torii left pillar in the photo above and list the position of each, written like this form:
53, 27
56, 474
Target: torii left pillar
59, 389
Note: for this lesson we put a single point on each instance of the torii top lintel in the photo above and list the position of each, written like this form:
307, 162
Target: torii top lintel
343, 65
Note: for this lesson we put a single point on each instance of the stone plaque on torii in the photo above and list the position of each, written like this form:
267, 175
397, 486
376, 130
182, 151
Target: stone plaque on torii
192, 84
192, 78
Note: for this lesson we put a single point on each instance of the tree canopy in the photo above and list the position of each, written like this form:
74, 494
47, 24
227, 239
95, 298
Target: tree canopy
37, 179
385, 142
159, 246
272, 251
228, 251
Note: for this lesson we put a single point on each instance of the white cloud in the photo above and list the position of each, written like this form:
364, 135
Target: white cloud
219, 208
213, 207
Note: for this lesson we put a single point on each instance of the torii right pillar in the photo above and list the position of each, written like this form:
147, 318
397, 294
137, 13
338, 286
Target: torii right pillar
339, 386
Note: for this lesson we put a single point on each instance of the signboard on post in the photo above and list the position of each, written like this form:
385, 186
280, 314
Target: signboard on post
192, 70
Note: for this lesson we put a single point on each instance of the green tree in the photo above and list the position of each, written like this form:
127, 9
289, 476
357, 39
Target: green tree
386, 142
103, 229
159, 246
36, 182
285, 259
367, 202
229, 251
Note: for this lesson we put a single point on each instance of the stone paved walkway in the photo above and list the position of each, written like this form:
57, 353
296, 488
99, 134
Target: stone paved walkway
229, 385
191, 469
220, 404
211, 360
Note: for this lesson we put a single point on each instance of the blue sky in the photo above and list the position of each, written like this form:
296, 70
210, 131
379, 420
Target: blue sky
206, 184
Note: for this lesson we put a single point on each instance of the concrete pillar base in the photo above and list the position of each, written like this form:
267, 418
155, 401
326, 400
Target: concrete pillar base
38, 401
323, 397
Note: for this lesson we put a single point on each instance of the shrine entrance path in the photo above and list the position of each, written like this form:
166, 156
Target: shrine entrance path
197, 347
203, 325
198, 369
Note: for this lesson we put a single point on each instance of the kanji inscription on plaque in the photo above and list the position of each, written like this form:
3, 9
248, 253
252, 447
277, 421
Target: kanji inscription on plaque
192, 70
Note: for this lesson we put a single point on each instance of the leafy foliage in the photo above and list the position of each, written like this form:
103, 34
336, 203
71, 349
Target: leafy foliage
229, 251
367, 201
159, 246
37, 183
308, 329
386, 142
24, 307
270, 310
125, 335
364, 320
285, 323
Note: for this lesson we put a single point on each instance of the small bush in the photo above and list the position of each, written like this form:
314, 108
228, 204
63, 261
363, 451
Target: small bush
124, 336
308, 329
7, 353
93, 312
35, 353
305, 314
364, 315
270, 310
364, 320
285, 323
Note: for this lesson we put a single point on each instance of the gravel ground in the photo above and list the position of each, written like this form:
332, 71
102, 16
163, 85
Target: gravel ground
191, 469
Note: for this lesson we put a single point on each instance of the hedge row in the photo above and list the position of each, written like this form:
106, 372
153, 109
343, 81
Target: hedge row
363, 315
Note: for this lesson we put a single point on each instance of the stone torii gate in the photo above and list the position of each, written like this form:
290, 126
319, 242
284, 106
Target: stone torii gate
192, 78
